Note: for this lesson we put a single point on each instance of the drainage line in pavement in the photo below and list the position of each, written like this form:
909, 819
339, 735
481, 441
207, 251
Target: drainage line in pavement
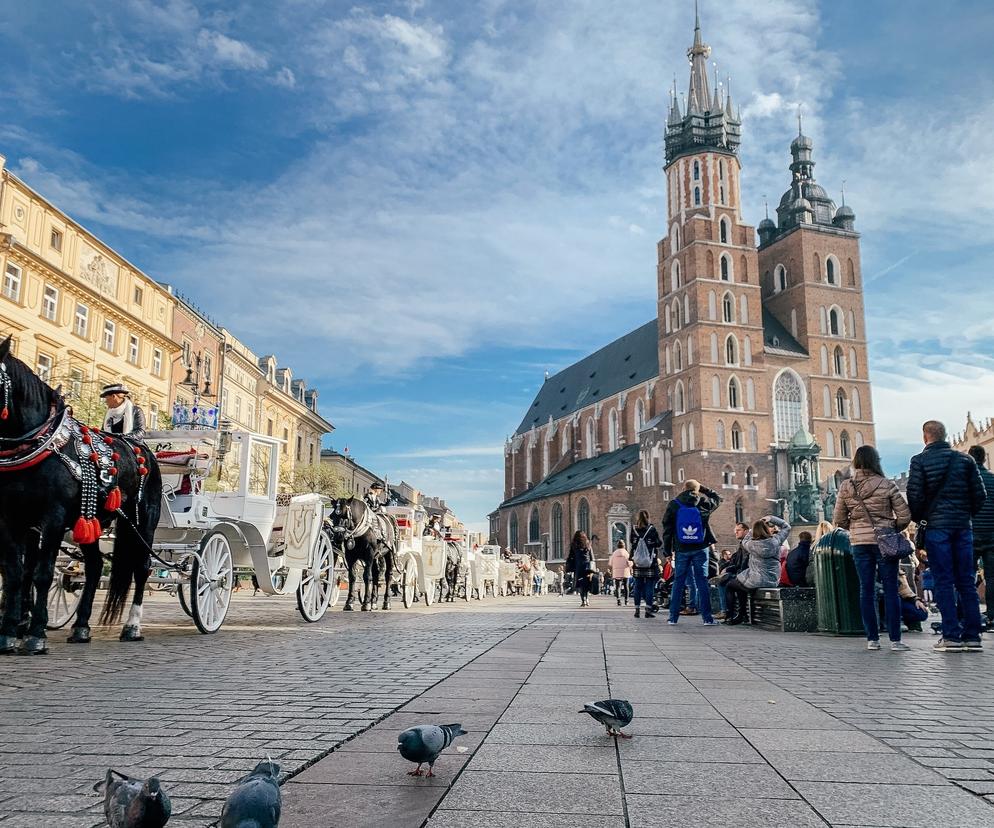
617, 749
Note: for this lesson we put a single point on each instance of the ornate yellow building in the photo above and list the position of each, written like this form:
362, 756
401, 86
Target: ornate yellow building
80, 314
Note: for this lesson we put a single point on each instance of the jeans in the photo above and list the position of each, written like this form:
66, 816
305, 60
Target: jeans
868, 559
722, 600
621, 589
911, 613
643, 591
950, 557
986, 557
691, 565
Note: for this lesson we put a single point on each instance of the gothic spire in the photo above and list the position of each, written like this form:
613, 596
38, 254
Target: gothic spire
698, 57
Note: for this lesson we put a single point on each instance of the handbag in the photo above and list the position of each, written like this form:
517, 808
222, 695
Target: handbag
595, 583
893, 545
920, 532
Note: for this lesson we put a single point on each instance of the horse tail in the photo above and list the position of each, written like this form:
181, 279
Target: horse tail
122, 571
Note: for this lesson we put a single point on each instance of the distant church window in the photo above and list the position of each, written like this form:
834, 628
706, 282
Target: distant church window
697, 196
675, 281
727, 476
841, 405
731, 351
844, 448
678, 403
839, 362
583, 516
788, 406
753, 438
678, 356
725, 274
739, 512
697, 171
835, 322
720, 434
734, 395
727, 307
723, 227
736, 437
830, 273
512, 532
533, 526
780, 279
721, 194
721, 169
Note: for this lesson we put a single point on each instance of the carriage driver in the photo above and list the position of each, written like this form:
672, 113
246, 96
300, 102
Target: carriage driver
373, 497
123, 416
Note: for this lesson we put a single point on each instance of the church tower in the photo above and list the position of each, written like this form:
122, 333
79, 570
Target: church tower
711, 356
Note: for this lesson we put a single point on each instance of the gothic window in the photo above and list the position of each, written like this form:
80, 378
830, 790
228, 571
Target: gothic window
697, 196
612, 430
734, 394
690, 438
727, 306
714, 348
747, 351
852, 363
753, 437
512, 532
852, 325
751, 477
788, 406
739, 511
851, 273
583, 516
824, 359
839, 362
557, 531
686, 309
675, 238
715, 391
856, 412
678, 357
721, 194
668, 363
721, 169
723, 231
844, 448
677, 322
639, 415
683, 438
835, 324
841, 405
727, 476
666, 319
533, 526
750, 394
823, 319
731, 350
726, 269
679, 407
859, 439
675, 281
719, 434
831, 271
690, 351
827, 401
744, 309
697, 171
712, 305
779, 278
830, 442
736, 437
590, 437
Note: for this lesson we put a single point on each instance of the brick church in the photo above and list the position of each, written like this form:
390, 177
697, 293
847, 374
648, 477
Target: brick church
752, 378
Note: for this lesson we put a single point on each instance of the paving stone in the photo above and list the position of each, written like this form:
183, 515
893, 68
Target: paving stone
583, 731
807, 765
545, 758
814, 740
654, 811
703, 749
535, 793
705, 779
356, 806
443, 818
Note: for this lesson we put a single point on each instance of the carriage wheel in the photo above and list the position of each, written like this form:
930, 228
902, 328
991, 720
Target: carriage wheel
430, 592
183, 603
316, 585
63, 600
211, 581
409, 584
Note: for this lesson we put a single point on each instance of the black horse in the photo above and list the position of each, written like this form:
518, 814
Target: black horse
358, 533
41, 498
453, 568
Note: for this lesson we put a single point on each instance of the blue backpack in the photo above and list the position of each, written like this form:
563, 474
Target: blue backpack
689, 526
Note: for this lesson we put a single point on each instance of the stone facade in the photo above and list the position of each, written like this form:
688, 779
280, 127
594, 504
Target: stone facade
758, 385
196, 372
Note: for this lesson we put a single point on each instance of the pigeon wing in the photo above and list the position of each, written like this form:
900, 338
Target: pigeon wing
256, 802
422, 743
620, 709
120, 794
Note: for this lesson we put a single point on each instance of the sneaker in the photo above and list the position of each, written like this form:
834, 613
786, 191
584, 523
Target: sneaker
712, 623
898, 647
873, 645
944, 646
974, 645
649, 614
671, 623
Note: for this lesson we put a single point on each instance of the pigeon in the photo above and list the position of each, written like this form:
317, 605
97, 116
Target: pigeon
423, 743
614, 714
256, 801
134, 803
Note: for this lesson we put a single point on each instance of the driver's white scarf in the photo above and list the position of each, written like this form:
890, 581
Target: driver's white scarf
125, 411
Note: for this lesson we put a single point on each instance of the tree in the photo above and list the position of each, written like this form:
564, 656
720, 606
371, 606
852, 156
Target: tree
316, 478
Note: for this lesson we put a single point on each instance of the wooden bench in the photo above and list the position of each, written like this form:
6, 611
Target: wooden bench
785, 609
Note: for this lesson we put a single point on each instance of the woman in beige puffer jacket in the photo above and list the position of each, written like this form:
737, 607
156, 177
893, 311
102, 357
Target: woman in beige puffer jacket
884, 507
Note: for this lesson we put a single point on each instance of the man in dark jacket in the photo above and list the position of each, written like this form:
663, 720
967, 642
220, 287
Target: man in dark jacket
687, 537
798, 559
945, 491
983, 531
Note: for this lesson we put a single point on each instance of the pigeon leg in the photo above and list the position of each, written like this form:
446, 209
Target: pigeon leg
624, 735
429, 772
416, 771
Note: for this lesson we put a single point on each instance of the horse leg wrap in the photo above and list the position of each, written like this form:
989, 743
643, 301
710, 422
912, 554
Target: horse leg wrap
80, 635
34, 645
132, 630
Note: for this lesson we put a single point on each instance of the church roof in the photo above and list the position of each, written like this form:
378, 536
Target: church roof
778, 340
624, 363
584, 474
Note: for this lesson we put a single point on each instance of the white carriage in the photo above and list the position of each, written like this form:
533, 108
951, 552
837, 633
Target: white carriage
213, 529
485, 568
419, 563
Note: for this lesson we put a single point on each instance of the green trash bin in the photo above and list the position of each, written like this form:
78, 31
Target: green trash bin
837, 586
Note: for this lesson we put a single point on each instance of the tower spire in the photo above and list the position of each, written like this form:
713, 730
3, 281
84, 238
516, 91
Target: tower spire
700, 91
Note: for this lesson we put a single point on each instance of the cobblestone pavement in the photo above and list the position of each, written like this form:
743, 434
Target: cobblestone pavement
736, 726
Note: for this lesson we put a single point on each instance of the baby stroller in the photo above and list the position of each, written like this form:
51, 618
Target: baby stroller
664, 586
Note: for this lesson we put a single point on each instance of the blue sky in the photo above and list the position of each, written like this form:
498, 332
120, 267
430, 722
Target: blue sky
422, 206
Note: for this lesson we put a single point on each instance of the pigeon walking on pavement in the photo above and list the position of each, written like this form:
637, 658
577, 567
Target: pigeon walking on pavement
134, 803
256, 801
614, 714
423, 743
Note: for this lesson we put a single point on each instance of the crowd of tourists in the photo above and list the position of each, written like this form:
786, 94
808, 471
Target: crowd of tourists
929, 551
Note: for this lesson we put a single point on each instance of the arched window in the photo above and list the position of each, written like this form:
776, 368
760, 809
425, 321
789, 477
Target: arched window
583, 516
712, 306
697, 171
639, 416
852, 326
831, 270
678, 402
827, 401
845, 449
612, 430
723, 231
839, 362
750, 394
719, 434
734, 394
533, 526
590, 448
740, 515
714, 349
824, 359
731, 350
679, 476
744, 309
857, 412
736, 437
841, 405
725, 263
512, 532
753, 437
690, 351
830, 442
678, 357
747, 351
823, 319
675, 280
691, 441
683, 438
677, 323
727, 476
697, 196
667, 361
836, 327
675, 238
779, 278
788, 405
727, 307
751, 477
852, 363
859, 439
666, 319
556, 533
715, 391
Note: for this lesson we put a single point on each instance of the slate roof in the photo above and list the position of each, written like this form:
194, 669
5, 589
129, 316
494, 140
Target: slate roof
778, 340
626, 362
584, 474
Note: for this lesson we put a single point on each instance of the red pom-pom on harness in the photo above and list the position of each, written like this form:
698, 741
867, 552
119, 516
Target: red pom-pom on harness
86, 530
142, 470
108, 440
113, 502
4, 414
115, 456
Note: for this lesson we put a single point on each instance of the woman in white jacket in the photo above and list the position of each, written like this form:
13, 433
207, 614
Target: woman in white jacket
763, 545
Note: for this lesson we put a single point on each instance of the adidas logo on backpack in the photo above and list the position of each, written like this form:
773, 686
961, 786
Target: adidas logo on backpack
689, 525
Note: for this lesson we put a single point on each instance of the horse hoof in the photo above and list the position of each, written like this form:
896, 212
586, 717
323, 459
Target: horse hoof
80, 635
33, 645
386, 605
131, 633
348, 608
367, 608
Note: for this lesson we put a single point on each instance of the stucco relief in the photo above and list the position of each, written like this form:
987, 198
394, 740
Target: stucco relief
97, 271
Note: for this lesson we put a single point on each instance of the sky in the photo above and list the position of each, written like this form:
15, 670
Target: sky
423, 206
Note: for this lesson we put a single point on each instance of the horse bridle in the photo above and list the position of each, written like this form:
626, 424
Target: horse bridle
33, 446
348, 529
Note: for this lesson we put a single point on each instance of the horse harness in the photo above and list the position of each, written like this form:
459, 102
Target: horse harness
349, 533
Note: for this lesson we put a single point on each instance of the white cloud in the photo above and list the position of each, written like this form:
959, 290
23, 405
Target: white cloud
284, 77
493, 451
222, 50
